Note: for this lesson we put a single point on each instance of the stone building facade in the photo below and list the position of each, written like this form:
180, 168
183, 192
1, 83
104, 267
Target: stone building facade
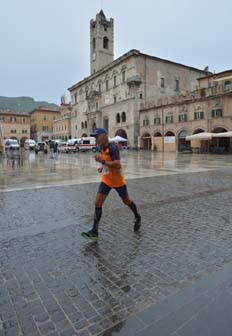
42, 123
165, 123
62, 125
116, 90
14, 125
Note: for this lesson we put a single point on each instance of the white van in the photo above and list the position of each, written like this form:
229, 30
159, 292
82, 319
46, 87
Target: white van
85, 144
29, 144
11, 144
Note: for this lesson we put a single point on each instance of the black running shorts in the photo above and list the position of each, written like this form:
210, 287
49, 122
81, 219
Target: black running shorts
105, 189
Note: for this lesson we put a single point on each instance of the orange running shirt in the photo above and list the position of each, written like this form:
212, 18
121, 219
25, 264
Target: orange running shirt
113, 177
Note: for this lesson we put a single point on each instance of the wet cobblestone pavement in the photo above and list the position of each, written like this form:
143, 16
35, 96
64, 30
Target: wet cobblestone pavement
52, 282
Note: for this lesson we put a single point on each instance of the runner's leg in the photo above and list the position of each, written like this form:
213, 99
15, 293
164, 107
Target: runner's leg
100, 199
123, 193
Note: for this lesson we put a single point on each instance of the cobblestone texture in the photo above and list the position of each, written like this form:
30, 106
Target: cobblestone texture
54, 283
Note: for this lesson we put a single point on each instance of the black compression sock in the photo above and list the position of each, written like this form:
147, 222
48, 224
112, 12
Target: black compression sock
97, 217
133, 207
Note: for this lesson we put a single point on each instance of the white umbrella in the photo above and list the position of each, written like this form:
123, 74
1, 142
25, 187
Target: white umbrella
200, 136
117, 138
222, 135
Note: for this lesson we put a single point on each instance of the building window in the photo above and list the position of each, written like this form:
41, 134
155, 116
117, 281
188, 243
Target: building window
76, 127
118, 118
198, 115
177, 85
115, 99
105, 42
85, 124
115, 81
96, 105
217, 113
124, 76
54, 117
107, 85
75, 98
169, 119
162, 82
45, 128
203, 92
157, 121
146, 122
82, 125
24, 131
45, 117
13, 130
105, 28
24, 120
123, 116
94, 43
141, 96
13, 119
2, 118
182, 117
227, 86
99, 87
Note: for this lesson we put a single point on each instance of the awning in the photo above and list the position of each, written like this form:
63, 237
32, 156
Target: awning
208, 136
117, 138
222, 135
199, 136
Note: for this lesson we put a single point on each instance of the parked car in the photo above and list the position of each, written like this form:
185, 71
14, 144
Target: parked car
86, 144
62, 147
29, 144
11, 144
41, 146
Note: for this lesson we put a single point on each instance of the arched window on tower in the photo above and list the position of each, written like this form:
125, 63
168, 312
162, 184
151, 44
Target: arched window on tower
94, 43
105, 42
123, 116
85, 124
118, 118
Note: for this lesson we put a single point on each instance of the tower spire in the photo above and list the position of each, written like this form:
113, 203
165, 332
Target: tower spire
101, 41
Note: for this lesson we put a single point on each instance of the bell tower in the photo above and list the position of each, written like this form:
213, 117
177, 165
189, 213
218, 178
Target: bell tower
101, 42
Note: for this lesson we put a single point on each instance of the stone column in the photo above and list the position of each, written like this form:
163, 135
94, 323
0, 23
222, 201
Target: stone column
152, 143
139, 142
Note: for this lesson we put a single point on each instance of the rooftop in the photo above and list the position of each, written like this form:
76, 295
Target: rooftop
125, 56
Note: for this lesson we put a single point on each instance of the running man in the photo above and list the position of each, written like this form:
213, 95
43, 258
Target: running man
112, 177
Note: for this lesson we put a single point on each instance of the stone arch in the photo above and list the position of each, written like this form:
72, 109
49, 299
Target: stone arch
146, 142
84, 135
157, 134
198, 130
122, 133
183, 144
170, 133
219, 129
220, 145
22, 141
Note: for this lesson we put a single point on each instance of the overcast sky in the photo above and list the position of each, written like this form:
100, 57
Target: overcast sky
44, 44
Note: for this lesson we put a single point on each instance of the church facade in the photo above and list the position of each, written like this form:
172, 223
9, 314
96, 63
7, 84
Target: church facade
116, 90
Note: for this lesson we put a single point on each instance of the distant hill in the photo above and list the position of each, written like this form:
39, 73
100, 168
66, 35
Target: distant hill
23, 104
